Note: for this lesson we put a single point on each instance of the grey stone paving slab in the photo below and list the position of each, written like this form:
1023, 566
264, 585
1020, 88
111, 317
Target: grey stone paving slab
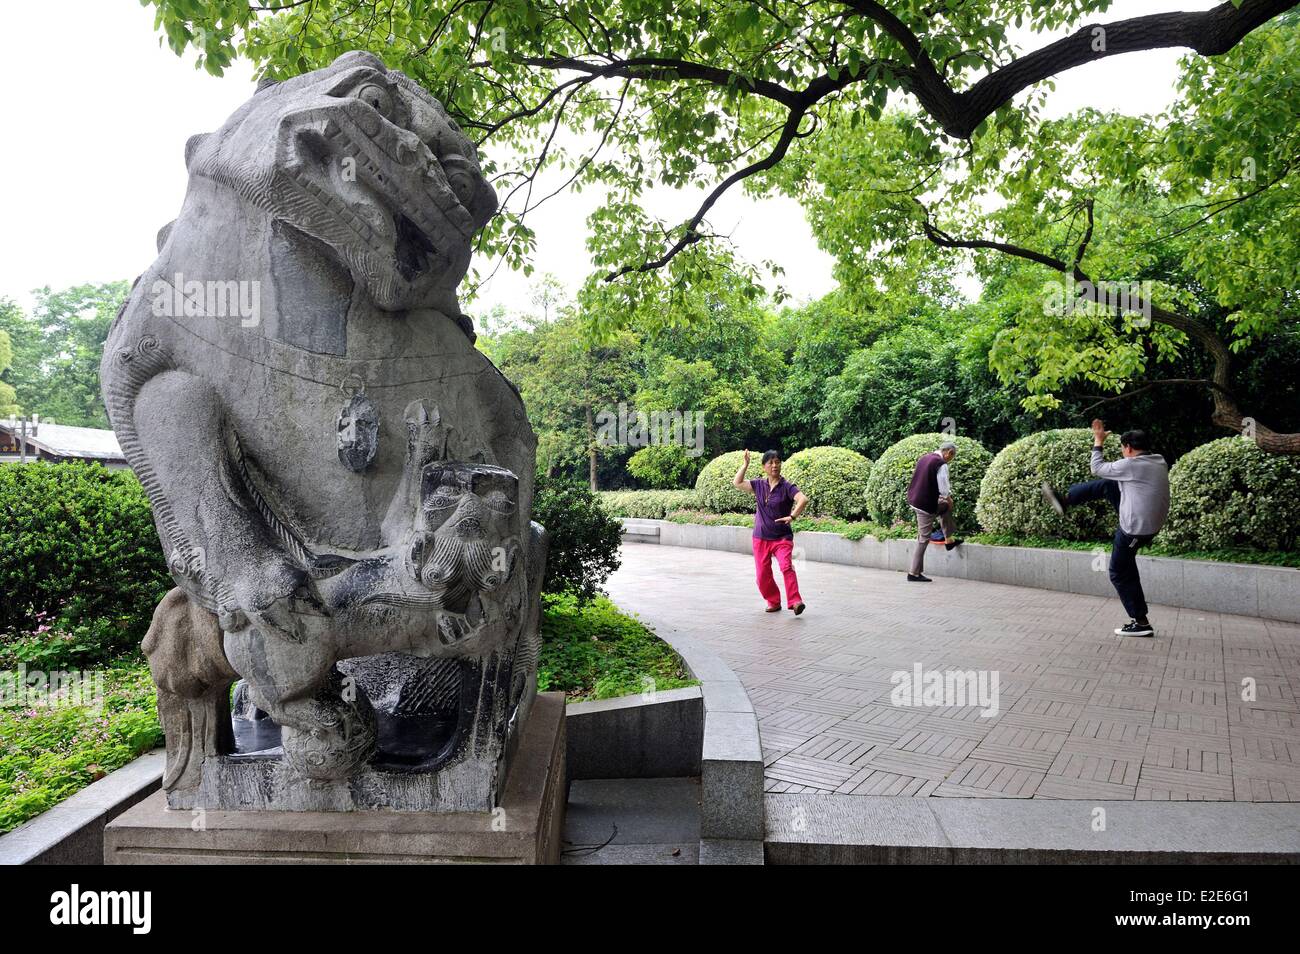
717, 851
837, 828
1082, 714
686, 853
647, 811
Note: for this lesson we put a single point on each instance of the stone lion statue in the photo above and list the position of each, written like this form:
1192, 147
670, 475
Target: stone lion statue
341, 482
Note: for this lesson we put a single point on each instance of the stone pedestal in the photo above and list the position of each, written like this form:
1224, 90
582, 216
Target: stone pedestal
524, 829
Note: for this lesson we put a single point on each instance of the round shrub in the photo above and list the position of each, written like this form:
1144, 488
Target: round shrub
664, 466
1229, 493
583, 538
833, 478
1011, 500
714, 486
647, 504
77, 546
892, 473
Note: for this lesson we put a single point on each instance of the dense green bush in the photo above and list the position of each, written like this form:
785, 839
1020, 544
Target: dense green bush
584, 538
77, 548
664, 466
1011, 500
647, 504
892, 473
833, 478
1229, 493
714, 486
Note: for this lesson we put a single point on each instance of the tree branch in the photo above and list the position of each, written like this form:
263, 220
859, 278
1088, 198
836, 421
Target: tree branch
690, 236
1226, 413
1209, 33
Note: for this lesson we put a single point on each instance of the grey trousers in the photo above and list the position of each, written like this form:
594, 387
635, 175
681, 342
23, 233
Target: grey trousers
924, 527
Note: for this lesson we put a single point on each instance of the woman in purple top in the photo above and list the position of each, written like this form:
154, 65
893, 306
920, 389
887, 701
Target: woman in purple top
779, 502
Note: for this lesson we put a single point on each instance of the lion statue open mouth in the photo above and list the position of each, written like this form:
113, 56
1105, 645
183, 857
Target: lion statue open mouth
340, 480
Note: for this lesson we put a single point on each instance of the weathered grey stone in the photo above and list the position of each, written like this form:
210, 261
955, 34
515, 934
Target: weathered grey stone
947, 563
841, 829
719, 851
1279, 592
337, 475
1220, 587
1043, 569
898, 554
1162, 580
1087, 572
641, 531
525, 828
632, 737
643, 811
726, 695
732, 777
870, 552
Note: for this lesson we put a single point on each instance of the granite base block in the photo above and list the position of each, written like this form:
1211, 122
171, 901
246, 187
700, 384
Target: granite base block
524, 829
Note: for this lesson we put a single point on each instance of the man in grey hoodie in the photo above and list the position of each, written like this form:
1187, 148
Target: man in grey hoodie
1137, 485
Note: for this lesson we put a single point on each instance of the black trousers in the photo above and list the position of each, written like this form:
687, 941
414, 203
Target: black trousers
1124, 549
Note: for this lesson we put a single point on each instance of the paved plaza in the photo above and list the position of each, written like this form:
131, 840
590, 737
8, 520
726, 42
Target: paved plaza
1083, 713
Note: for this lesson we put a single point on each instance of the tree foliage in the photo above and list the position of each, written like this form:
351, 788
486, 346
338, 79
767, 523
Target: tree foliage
54, 368
1117, 244
703, 93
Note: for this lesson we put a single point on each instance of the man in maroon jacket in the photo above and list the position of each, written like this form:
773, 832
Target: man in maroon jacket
930, 495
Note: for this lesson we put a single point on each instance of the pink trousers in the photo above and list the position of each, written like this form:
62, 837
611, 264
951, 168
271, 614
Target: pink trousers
764, 551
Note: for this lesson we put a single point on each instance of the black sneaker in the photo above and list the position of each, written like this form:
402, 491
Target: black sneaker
951, 544
1053, 500
1134, 628
772, 609
798, 609
918, 578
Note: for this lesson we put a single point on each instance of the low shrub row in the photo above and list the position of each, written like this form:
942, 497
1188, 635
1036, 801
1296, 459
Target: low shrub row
647, 504
1226, 495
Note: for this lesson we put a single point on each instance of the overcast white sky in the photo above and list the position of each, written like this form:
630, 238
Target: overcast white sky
93, 135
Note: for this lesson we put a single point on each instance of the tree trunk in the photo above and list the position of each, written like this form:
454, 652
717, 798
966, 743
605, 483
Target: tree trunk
591, 449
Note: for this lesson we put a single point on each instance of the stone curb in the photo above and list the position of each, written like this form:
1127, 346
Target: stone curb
636, 737
1242, 589
731, 766
856, 829
72, 832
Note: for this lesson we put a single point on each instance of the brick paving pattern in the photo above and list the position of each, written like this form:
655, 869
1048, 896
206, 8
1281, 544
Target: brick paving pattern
1082, 713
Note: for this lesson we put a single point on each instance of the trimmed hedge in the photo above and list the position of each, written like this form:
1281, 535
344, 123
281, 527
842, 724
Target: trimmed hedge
1229, 493
892, 473
77, 544
714, 486
647, 504
1011, 501
833, 478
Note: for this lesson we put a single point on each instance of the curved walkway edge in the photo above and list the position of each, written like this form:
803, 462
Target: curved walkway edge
1096, 749
731, 765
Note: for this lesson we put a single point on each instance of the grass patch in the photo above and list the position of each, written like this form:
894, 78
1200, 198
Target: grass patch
50, 750
596, 652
